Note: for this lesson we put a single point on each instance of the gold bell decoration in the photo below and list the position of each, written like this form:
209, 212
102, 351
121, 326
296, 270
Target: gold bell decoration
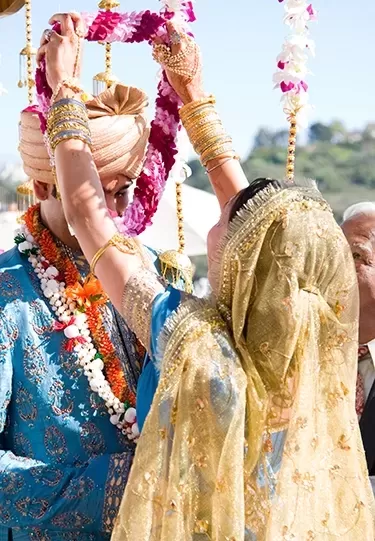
27, 57
106, 79
176, 266
25, 192
25, 196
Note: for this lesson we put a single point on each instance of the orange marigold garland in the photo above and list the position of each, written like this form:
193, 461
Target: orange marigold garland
76, 303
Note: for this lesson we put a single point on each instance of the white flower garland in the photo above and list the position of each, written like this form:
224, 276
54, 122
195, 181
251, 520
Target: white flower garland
74, 325
292, 61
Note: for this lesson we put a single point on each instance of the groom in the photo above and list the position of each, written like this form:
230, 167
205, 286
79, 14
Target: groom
63, 462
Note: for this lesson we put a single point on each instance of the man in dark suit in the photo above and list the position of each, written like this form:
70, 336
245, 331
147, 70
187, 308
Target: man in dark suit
359, 229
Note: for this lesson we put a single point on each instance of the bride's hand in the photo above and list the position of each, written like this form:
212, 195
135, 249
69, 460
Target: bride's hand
182, 63
62, 51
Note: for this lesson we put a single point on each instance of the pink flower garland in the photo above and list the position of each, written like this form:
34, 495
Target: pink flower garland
162, 146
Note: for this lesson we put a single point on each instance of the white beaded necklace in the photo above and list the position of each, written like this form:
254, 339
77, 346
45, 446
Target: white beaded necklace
74, 325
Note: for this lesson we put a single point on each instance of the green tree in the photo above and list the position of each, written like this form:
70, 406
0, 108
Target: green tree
320, 132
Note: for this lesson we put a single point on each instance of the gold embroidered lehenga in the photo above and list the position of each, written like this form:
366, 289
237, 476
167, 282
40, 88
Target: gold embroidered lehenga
272, 360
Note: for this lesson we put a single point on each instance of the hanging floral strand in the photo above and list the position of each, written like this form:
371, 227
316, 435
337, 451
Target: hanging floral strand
161, 153
292, 71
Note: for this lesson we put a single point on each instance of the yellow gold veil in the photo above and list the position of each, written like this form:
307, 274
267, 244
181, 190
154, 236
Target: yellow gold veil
276, 354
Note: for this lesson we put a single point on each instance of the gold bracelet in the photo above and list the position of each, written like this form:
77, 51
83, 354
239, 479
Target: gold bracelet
68, 136
58, 115
227, 158
217, 152
125, 245
227, 143
66, 83
208, 130
198, 114
66, 110
205, 123
66, 105
190, 107
215, 142
208, 139
68, 126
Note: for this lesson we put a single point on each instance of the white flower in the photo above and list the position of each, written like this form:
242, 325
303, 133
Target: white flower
52, 285
292, 61
71, 332
52, 272
25, 246
130, 415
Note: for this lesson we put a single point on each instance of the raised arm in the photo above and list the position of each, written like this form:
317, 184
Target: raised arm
79, 183
183, 65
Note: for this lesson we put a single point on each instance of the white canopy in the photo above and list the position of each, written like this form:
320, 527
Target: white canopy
201, 211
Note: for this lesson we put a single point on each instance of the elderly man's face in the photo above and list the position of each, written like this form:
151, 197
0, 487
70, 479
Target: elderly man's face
360, 233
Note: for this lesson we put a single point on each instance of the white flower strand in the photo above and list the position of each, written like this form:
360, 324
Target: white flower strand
292, 61
76, 326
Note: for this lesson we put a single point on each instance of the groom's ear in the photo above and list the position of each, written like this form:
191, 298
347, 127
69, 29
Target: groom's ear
42, 190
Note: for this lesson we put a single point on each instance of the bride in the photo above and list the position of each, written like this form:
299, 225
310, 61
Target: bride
252, 433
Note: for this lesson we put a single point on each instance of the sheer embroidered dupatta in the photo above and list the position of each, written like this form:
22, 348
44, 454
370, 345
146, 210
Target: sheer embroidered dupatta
276, 353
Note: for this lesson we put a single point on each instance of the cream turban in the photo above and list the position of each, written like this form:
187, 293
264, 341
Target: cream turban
118, 129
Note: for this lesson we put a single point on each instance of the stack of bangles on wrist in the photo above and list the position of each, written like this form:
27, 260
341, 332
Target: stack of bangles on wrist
206, 131
67, 119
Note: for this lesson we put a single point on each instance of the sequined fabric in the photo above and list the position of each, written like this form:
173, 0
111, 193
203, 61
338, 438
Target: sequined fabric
63, 466
275, 357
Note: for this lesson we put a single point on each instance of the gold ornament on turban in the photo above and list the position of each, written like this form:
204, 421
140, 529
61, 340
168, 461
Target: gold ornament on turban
119, 133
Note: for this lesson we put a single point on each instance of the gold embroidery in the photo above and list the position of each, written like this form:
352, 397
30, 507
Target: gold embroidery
139, 293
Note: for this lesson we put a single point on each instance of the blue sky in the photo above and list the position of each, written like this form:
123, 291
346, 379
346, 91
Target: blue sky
240, 41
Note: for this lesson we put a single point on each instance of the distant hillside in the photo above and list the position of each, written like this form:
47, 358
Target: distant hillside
342, 162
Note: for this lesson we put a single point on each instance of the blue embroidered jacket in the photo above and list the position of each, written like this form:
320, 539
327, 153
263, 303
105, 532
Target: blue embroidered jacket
63, 466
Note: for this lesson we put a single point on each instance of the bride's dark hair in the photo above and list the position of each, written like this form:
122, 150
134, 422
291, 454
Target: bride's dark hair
248, 193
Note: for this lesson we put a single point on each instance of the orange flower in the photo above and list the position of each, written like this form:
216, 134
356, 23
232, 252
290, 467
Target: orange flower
88, 293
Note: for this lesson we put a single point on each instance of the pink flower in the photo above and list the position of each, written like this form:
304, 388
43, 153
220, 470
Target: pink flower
312, 12
286, 87
162, 148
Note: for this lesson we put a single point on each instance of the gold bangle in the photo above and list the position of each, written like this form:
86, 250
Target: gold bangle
201, 125
207, 139
216, 152
189, 107
201, 131
68, 137
125, 245
227, 144
227, 158
57, 116
67, 109
214, 143
199, 113
68, 127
